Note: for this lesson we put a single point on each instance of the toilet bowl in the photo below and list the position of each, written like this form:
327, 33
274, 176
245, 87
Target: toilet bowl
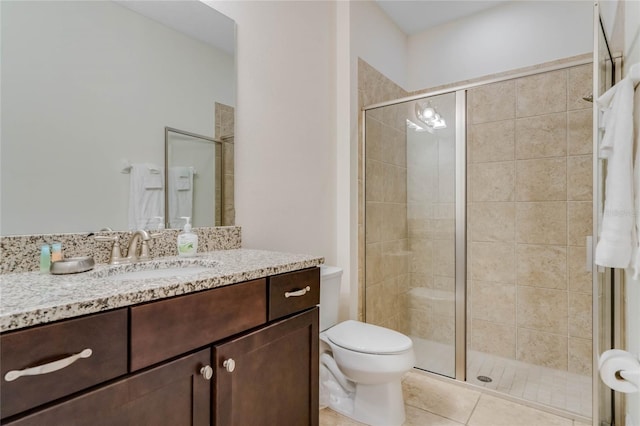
361, 364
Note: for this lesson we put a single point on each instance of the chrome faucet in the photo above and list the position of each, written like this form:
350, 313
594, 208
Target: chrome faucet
139, 235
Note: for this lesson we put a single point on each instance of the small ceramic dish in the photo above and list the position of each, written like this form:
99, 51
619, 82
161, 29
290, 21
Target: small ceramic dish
72, 265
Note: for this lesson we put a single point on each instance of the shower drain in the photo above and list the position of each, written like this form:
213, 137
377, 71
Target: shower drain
485, 379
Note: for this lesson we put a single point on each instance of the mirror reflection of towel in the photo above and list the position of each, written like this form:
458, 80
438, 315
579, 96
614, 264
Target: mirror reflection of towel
183, 183
180, 191
146, 197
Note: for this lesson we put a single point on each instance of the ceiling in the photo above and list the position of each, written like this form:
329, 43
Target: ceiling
193, 18
415, 16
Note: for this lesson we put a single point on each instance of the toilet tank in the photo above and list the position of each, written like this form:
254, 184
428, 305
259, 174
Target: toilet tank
330, 279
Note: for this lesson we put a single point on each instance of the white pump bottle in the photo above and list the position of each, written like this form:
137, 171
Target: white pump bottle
187, 240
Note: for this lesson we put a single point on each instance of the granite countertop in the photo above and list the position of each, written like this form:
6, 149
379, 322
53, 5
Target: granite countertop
32, 298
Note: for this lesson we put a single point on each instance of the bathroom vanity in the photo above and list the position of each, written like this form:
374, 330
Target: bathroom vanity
237, 345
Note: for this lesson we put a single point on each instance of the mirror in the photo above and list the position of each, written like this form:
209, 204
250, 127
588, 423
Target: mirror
194, 179
90, 86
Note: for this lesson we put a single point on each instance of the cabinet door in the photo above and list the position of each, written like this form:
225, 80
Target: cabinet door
274, 377
171, 394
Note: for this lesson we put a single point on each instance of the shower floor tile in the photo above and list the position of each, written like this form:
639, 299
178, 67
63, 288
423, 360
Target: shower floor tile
558, 389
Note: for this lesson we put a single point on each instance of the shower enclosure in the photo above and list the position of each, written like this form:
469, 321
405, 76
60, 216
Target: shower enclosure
478, 214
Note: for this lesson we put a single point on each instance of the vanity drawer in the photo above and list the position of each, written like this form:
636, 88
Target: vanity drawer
105, 334
293, 292
161, 330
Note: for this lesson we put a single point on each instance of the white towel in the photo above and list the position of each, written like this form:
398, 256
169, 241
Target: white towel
146, 199
180, 195
635, 257
184, 178
154, 180
617, 237
183, 183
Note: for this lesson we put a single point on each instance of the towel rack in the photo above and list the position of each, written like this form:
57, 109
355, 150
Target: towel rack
194, 171
125, 167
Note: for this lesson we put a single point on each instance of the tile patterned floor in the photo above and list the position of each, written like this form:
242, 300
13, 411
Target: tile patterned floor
555, 388
433, 402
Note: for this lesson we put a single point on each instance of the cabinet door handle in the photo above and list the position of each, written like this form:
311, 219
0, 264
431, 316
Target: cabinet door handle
207, 372
47, 368
229, 365
297, 293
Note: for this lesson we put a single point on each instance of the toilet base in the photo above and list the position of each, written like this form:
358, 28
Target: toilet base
375, 405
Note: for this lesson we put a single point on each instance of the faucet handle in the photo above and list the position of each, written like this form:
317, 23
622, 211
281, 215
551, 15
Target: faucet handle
116, 255
103, 238
144, 250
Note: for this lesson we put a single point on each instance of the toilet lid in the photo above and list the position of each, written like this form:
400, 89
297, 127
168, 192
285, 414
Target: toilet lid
367, 338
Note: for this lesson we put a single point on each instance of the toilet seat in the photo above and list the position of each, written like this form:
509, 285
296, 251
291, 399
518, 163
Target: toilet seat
368, 338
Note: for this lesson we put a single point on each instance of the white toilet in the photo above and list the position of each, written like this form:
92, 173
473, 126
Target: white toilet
361, 365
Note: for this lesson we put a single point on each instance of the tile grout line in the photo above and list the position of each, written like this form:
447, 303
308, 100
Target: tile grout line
474, 409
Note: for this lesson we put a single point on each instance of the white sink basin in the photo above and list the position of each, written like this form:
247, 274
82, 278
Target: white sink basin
154, 269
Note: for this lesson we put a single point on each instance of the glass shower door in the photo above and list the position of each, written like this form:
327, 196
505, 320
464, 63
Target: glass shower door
431, 234
410, 195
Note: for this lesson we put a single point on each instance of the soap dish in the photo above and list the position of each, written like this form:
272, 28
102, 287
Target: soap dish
72, 265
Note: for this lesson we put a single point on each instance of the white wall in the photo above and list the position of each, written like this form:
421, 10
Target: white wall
347, 162
513, 35
81, 90
285, 145
377, 39
612, 16
631, 35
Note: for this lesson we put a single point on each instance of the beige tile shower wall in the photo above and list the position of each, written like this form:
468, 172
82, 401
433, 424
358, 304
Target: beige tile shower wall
529, 213
225, 125
386, 217
385, 242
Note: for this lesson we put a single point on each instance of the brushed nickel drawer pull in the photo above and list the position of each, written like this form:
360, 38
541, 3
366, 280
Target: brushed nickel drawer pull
298, 293
47, 368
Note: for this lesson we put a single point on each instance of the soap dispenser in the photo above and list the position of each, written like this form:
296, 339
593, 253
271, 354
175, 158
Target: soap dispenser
187, 240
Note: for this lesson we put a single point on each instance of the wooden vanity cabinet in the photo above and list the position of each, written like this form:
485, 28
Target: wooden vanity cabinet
225, 356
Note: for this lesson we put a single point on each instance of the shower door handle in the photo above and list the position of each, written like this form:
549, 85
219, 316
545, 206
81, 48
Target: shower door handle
589, 265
